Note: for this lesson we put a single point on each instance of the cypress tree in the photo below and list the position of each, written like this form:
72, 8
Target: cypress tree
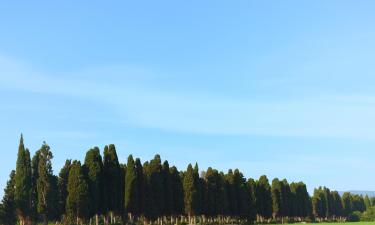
78, 194
167, 189
23, 188
286, 198
140, 186
337, 204
156, 187
263, 198
328, 201
190, 192
177, 192
347, 204
301, 206
131, 191
94, 170
319, 202
367, 202
112, 182
34, 185
8, 205
358, 203
277, 198
199, 190
63, 187
44, 182
54, 212
244, 198
253, 210
217, 200
232, 193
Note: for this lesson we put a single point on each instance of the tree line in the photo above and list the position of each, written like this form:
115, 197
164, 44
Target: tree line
101, 190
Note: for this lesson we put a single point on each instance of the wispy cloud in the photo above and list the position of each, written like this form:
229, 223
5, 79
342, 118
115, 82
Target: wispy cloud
127, 92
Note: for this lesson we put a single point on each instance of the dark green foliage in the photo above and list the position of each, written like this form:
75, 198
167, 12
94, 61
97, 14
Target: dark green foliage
54, 207
217, 199
244, 197
133, 187
94, 172
132, 204
277, 198
367, 202
167, 189
23, 185
77, 203
337, 209
156, 191
190, 192
301, 201
44, 180
112, 182
358, 203
177, 192
251, 185
140, 186
34, 189
319, 202
63, 186
354, 216
347, 204
368, 215
263, 197
8, 207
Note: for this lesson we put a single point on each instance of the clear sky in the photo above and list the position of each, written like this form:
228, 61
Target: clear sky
282, 88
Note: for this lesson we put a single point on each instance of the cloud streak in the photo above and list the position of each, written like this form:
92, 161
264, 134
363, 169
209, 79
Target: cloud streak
137, 103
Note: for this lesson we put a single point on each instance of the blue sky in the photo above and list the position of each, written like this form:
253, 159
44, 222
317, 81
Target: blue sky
282, 88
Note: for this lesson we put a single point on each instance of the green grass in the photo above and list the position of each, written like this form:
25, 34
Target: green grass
337, 223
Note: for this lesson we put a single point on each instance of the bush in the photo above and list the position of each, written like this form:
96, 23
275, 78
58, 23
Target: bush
368, 215
354, 217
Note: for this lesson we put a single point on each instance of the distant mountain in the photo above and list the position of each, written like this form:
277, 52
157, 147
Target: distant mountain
369, 193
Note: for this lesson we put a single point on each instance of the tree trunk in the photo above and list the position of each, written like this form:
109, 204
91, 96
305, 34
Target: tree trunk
45, 220
97, 219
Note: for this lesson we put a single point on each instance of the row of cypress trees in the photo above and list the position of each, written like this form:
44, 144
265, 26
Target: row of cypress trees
101, 190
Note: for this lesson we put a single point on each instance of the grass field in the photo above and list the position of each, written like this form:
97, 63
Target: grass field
347, 223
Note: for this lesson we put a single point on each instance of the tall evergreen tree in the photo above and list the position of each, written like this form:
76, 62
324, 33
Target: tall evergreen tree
263, 198
190, 192
337, 209
8, 206
63, 187
358, 203
23, 188
77, 202
156, 200
54, 213
319, 202
367, 202
140, 186
44, 187
277, 198
287, 198
347, 204
34, 185
177, 192
301, 206
131, 189
167, 189
251, 184
112, 182
94, 172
